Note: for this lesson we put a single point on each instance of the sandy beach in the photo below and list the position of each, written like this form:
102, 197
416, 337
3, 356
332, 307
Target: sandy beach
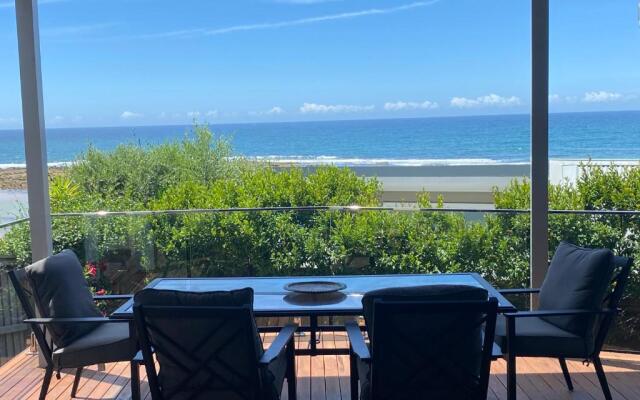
15, 178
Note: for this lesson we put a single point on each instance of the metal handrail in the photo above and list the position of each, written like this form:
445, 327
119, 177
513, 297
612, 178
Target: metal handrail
320, 208
338, 208
351, 209
14, 222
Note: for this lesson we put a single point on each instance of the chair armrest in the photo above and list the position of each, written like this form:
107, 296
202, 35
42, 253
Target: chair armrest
279, 344
558, 313
356, 341
138, 358
106, 297
73, 320
519, 291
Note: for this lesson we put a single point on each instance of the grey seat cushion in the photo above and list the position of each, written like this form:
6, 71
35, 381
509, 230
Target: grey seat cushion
109, 342
60, 290
578, 278
537, 337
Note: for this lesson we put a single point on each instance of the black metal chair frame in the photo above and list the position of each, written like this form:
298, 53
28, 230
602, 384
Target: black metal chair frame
283, 343
358, 348
39, 329
606, 314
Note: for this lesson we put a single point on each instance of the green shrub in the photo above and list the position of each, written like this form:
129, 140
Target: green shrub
200, 172
141, 173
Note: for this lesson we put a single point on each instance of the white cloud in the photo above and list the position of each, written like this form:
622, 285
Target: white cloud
193, 114
490, 100
295, 22
275, 111
559, 99
272, 111
601, 97
77, 118
212, 113
313, 108
555, 98
57, 119
131, 115
410, 105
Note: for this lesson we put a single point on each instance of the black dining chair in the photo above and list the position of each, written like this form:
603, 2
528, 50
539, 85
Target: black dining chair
207, 346
578, 302
69, 329
426, 342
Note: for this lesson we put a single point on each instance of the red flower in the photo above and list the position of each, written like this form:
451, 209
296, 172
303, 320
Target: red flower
91, 270
101, 292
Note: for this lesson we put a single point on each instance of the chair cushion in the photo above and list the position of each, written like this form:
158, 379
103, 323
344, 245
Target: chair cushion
415, 344
222, 298
577, 279
417, 293
171, 374
60, 290
109, 342
537, 337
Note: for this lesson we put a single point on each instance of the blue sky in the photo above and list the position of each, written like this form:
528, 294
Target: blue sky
140, 62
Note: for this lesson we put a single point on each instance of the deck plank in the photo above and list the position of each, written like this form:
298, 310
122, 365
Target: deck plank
303, 369
326, 377
318, 384
332, 376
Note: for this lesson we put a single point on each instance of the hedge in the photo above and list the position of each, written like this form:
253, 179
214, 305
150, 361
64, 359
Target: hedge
201, 171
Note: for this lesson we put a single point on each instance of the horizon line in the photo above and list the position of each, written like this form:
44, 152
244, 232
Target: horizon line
210, 123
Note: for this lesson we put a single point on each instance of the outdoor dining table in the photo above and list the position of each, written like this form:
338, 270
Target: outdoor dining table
272, 300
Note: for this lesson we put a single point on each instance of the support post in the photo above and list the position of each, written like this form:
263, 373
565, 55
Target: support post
539, 142
34, 129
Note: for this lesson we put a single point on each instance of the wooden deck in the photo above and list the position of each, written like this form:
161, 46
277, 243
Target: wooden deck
326, 378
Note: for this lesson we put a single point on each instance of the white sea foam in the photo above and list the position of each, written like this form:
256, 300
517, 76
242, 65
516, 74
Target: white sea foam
410, 162
22, 165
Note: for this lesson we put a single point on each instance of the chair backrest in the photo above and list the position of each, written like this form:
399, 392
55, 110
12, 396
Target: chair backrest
611, 301
60, 290
584, 278
24, 292
435, 349
206, 344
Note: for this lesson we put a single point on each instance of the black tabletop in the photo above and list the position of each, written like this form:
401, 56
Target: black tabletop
271, 299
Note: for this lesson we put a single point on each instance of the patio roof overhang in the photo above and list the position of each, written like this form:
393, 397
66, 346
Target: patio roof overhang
36, 154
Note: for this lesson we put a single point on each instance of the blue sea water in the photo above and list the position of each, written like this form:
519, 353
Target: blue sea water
502, 138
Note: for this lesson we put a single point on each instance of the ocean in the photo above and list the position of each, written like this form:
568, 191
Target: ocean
417, 141
479, 140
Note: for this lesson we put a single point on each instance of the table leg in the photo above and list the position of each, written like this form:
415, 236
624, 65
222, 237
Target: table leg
313, 327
